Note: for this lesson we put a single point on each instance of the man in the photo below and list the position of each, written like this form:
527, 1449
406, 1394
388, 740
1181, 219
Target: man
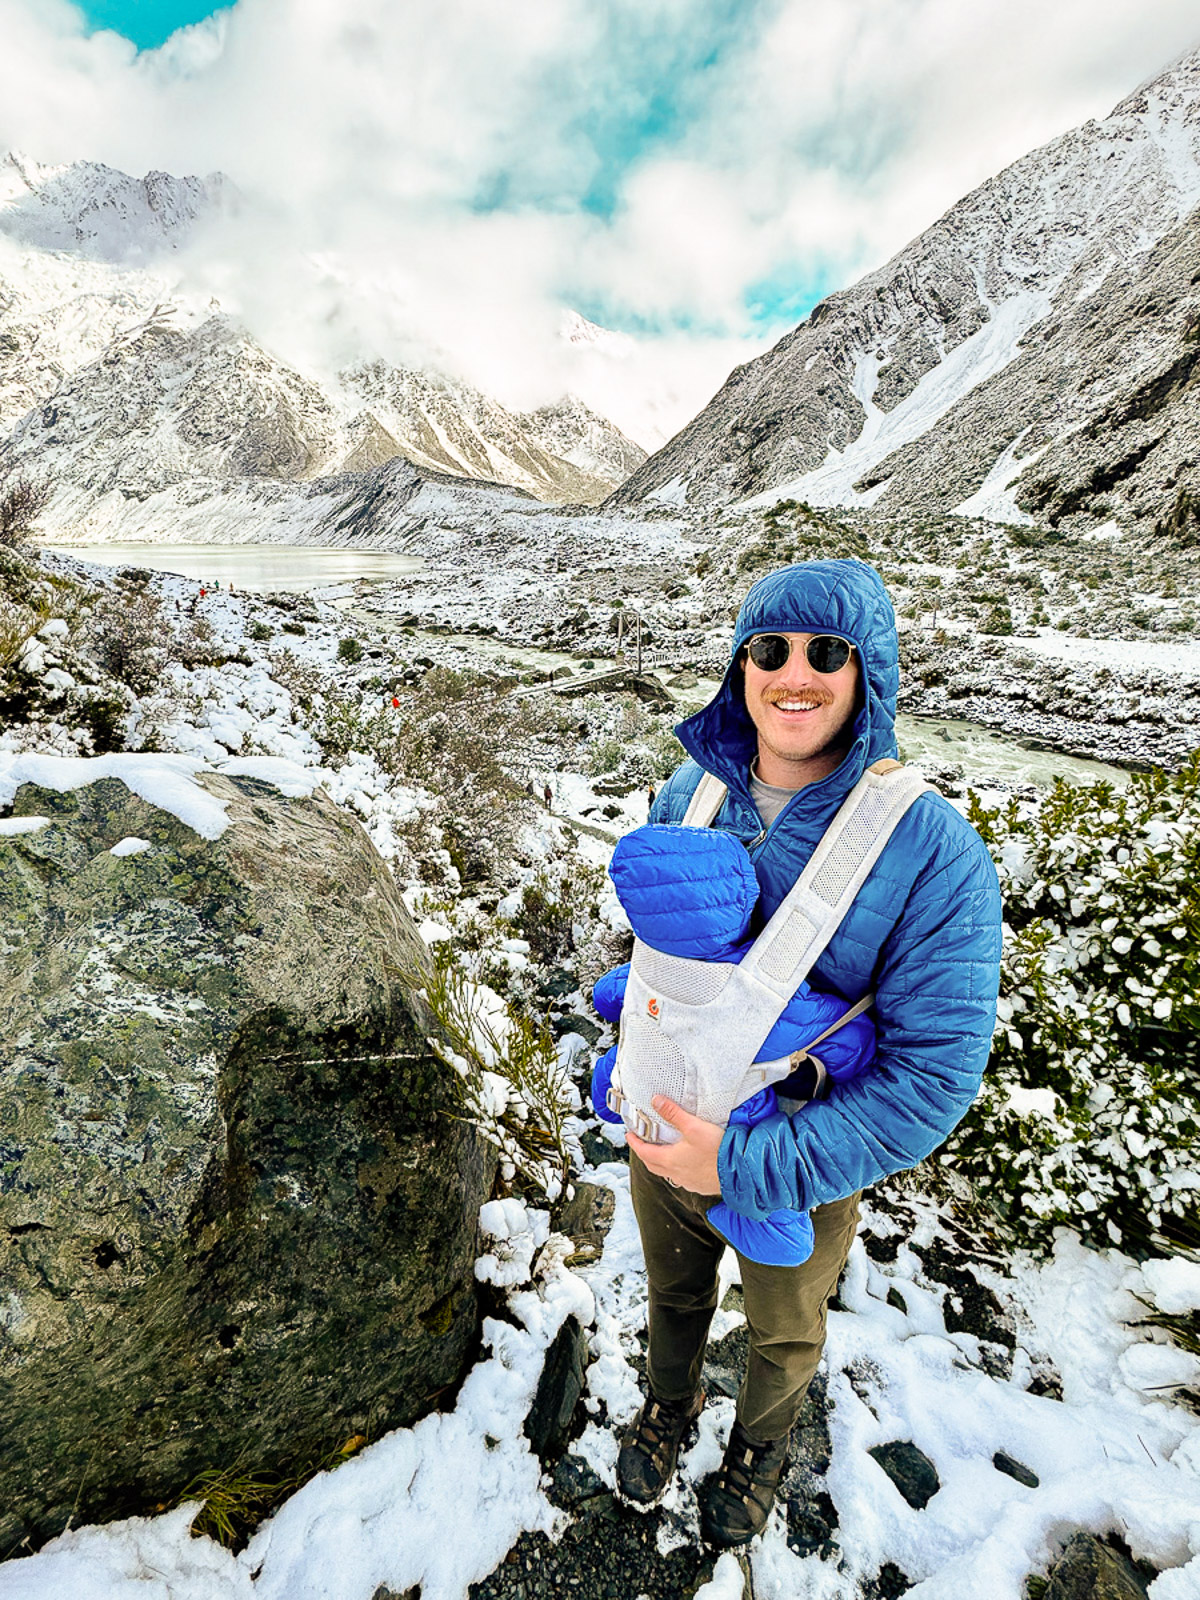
807, 704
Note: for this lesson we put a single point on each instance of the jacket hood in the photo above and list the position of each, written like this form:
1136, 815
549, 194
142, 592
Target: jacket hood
843, 597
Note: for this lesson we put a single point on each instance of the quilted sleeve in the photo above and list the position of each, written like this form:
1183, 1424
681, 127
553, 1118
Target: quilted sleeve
608, 992
936, 984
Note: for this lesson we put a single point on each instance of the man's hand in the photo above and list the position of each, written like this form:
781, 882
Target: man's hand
692, 1162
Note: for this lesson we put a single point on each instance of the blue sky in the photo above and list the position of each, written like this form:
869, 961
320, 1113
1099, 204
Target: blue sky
148, 23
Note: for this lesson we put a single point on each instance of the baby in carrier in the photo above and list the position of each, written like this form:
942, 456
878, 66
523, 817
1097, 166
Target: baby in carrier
691, 892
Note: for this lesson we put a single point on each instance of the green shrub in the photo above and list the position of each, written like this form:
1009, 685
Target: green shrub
510, 1082
349, 650
260, 631
998, 621
1090, 1110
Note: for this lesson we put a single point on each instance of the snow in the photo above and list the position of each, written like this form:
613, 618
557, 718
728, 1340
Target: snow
993, 498
131, 846
1024, 1101
1173, 1285
673, 493
170, 782
726, 1583
1181, 657
986, 352
10, 826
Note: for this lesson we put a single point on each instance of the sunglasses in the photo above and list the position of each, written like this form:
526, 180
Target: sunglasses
824, 652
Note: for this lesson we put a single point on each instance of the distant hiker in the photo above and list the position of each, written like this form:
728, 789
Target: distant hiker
203, 591
650, 793
806, 707
548, 797
396, 701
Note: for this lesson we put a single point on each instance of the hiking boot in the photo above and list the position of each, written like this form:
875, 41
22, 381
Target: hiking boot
651, 1443
740, 1498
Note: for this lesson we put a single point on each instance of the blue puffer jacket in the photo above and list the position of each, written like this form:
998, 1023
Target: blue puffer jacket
924, 932
692, 892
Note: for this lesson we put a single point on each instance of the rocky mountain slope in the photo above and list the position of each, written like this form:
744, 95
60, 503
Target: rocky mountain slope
117, 382
1034, 351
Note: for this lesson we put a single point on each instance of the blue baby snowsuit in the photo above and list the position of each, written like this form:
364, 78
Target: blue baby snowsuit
691, 892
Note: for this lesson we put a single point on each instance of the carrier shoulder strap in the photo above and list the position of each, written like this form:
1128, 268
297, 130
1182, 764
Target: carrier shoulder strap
706, 801
789, 945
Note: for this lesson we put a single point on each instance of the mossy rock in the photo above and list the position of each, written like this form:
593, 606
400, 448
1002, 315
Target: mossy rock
237, 1221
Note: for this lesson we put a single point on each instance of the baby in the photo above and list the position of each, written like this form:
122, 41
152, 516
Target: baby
691, 892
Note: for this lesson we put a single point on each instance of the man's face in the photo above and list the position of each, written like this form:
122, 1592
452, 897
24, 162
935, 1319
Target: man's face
803, 717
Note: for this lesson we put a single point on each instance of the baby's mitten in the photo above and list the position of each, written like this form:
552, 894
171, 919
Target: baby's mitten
785, 1238
608, 994
601, 1078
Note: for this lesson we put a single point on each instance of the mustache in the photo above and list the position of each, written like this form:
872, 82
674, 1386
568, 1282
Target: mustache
817, 697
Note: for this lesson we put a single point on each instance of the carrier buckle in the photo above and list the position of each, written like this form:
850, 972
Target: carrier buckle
641, 1122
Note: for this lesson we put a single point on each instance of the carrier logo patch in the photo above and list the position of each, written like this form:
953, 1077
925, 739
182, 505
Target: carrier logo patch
652, 1006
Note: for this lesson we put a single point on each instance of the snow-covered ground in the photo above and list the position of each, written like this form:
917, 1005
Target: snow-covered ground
1115, 1454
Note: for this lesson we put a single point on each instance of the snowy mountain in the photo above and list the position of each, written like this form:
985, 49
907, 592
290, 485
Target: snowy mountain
118, 383
1035, 348
98, 212
559, 453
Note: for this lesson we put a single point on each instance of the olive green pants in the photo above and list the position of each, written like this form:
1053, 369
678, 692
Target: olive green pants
785, 1306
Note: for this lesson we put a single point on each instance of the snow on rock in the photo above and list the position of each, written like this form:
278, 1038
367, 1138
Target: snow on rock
145, 1558
131, 846
171, 782
13, 825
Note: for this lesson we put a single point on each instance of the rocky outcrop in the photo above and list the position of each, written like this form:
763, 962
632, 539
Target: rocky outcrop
1044, 318
237, 1225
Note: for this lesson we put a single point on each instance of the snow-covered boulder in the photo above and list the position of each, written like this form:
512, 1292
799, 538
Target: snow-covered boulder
237, 1226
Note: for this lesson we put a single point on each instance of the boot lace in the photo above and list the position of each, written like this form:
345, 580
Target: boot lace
739, 1471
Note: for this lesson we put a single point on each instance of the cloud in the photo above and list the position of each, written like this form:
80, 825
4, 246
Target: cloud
445, 175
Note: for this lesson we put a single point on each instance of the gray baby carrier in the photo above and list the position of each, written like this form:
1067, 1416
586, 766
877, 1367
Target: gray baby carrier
691, 1029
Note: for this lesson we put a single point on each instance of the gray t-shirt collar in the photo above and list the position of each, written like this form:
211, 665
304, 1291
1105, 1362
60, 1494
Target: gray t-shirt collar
769, 799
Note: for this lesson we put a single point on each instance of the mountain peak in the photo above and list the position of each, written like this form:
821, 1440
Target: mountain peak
99, 212
1012, 324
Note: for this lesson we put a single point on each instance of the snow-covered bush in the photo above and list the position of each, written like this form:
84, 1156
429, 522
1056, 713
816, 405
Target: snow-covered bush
458, 736
1090, 1109
126, 634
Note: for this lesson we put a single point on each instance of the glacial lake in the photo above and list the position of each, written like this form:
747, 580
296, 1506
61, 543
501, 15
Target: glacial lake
261, 568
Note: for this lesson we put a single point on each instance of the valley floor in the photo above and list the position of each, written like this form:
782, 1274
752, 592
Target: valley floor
994, 1370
